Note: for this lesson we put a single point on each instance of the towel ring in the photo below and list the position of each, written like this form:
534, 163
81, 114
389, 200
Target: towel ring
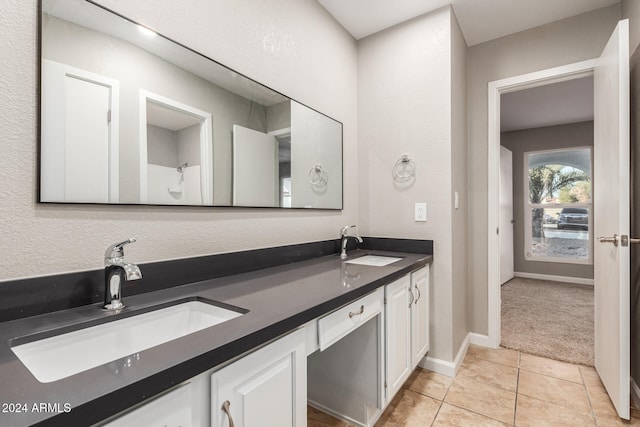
318, 177
404, 169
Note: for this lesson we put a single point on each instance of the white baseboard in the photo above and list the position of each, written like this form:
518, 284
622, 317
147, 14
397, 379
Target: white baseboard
481, 340
443, 367
635, 393
564, 279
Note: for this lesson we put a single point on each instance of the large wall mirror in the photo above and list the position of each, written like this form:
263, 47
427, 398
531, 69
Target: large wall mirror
131, 117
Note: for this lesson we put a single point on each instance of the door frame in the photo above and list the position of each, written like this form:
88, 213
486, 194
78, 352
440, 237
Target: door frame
206, 143
495, 89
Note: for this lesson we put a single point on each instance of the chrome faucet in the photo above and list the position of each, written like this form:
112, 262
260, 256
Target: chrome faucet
117, 271
344, 237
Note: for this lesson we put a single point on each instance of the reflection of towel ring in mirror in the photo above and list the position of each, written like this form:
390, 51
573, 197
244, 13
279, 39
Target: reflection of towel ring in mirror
404, 169
318, 177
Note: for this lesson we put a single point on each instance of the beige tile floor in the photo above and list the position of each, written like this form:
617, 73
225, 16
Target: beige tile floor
499, 388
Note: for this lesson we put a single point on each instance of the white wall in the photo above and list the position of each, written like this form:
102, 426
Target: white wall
459, 234
631, 11
407, 91
314, 141
564, 42
265, 40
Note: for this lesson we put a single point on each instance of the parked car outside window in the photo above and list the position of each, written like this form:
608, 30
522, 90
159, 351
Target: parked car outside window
574, 218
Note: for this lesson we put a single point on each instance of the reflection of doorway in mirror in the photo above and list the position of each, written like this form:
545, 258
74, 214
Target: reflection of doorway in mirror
285, 192
255, 168
175, 153
79, 128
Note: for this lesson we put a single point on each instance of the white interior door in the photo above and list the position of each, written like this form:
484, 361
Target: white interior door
86, 154
611, 217
79, 146
255, 168
506, 214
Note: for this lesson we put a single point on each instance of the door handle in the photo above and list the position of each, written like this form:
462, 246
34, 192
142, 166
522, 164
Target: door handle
625, 240
613, 239
357, 313
225, 408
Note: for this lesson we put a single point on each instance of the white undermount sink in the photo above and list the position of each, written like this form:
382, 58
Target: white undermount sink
56, 357
374, 260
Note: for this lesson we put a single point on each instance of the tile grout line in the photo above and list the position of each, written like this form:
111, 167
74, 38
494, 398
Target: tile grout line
467, 409
442, 401
593, 412
475, 412
515, 408
437, 412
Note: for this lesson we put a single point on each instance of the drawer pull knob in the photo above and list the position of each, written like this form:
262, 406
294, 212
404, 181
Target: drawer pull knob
357, 313
225, 408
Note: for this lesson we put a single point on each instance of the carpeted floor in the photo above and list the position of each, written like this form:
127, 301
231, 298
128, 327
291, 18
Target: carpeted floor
549, 319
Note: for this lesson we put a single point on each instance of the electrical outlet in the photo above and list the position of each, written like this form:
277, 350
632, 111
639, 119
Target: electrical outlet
421, 212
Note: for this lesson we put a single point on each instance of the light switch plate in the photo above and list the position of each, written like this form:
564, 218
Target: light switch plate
421, 212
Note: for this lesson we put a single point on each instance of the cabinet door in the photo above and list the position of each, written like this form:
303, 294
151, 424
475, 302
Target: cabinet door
267, 388
398, 329
420, 315
172, 409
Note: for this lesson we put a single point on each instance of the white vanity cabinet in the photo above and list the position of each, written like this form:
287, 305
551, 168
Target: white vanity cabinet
407, 327
172, 409
349, 363
398, 334
346, 375
267, 388
419, 315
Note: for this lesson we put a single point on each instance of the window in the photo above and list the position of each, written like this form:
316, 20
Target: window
558, 211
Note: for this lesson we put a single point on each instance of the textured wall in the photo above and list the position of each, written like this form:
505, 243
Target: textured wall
564, 42
293, 46
404, 107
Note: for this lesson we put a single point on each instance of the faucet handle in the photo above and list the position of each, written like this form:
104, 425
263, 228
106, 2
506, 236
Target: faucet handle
345, 229
116, 250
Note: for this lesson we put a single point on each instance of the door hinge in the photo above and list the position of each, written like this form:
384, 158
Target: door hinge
108, 116
497, 230
385, 300
385, 384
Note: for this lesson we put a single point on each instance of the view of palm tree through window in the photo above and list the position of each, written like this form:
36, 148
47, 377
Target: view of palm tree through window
558, 209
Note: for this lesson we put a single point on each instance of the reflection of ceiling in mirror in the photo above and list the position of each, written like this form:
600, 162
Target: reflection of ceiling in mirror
83, 13
168, 118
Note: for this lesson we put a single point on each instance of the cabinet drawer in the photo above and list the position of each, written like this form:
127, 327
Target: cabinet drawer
339, 323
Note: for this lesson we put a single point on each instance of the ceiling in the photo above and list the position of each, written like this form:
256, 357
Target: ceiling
570, 101
480, 20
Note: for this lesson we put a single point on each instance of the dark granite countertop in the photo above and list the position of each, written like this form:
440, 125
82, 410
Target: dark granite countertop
279, 299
